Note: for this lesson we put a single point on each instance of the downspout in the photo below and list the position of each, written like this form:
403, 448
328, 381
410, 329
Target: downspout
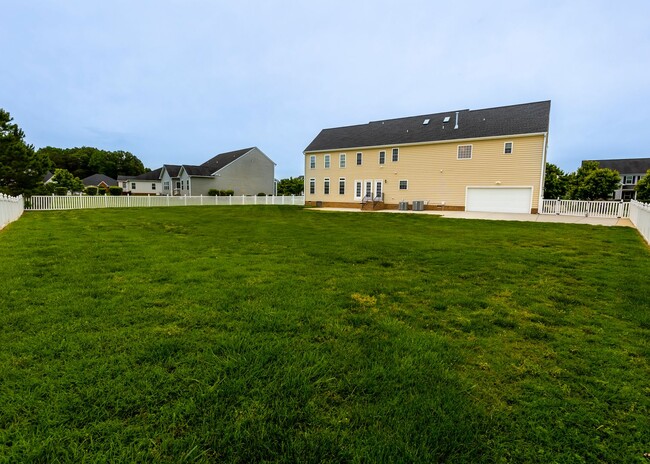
540, 201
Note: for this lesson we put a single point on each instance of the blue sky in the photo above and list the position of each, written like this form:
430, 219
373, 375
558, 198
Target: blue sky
178, 81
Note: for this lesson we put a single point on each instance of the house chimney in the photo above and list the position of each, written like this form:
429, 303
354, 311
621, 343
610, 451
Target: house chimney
456, 126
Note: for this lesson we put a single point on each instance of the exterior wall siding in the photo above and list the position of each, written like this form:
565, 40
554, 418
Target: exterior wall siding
142, 187
250, 174
433, 171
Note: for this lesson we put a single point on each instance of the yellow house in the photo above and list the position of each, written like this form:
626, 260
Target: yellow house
474, 160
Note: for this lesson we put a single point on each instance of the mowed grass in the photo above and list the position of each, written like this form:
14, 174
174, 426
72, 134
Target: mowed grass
277, 334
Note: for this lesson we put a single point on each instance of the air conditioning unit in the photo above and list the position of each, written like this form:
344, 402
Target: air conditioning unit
418, 205
403, 206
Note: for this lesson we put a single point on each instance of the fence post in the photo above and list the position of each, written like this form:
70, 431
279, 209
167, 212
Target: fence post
185, 200
293, 199
557, 207
201, 199
620, 209
230, 200
587, 209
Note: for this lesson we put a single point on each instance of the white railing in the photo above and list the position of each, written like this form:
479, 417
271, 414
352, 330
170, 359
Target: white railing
11, 208
640, 217
603, 209
48, 203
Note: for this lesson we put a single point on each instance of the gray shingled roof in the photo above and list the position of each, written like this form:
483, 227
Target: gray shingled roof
224, 159
151, 175
625, 166
172, 169
97, 179
527, 118
197, 171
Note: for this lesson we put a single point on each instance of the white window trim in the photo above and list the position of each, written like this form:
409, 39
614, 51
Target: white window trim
327, 161
312, 181
356, 183
399, 184
342, 179
312, 161
471, 151
379, 157
392, 155
359, 159
326, 182
512, 148
342, 160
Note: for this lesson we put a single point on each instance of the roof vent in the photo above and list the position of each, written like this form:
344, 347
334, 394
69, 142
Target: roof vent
447, 118
456, 126
426, 121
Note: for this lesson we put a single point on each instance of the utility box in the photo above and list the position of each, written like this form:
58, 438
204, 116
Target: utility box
403, 206
418, 205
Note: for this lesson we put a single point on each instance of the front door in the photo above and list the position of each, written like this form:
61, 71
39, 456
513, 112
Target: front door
379, 190
368, 191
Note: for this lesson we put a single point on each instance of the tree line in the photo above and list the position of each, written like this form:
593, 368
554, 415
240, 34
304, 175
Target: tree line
588, 182
22, 168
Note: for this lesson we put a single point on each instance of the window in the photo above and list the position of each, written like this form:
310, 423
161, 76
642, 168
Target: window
395, 154
382, 157
153, 186
342, 160
312, 186
359, 158
342, 186
166, 185
357, 189
132, 185
123, 185
628, 180
327, 161
507, 148
312, 162
464, 152
178, 184
403, 184
326, 186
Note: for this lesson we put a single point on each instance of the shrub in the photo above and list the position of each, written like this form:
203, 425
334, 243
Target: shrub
228, 193
91, 190
61, 191
101, 191
115, 190
261, 194
213, 192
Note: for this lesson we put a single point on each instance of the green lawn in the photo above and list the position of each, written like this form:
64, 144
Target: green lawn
277, 334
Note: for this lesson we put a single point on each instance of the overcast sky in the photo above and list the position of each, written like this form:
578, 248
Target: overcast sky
178, 81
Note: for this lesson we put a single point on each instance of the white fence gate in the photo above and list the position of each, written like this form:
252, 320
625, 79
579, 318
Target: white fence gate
11, 208
603, 209
49, 203
640, 217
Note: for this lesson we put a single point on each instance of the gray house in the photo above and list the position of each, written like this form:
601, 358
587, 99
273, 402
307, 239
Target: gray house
246, 172
631, 171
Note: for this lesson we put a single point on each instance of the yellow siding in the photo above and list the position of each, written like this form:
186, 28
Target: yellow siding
433, 171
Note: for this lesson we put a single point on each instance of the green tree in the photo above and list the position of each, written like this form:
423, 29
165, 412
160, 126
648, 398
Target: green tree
86, 161
291, 186
555, 182
21, 169
643, 188
63, 178
591, 182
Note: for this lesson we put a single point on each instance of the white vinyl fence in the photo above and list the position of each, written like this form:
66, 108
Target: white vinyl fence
640, 217
48, 203
603, 209
11, 208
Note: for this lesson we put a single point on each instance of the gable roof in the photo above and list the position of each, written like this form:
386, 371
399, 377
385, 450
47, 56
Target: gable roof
625, 166
527, 118
172, 169
97, 179
151, 175
223, 159
48, 175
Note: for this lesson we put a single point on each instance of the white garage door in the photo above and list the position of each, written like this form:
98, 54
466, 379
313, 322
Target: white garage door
499, 199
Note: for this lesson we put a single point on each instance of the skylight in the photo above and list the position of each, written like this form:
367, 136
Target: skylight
426, 121
447, 118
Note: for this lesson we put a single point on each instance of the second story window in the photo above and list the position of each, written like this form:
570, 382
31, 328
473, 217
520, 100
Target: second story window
312, 162
395, 154
464, 152
327, 161
382, 157
359, 159
507, 148
342, 160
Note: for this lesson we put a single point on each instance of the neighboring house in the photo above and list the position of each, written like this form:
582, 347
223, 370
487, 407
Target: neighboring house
148, 183
245, 172
631, 171
47, 178
474, 160
99, 180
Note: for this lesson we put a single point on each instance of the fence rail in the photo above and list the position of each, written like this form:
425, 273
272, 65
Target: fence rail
603, 209
50, 203
11, 208
640, 217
